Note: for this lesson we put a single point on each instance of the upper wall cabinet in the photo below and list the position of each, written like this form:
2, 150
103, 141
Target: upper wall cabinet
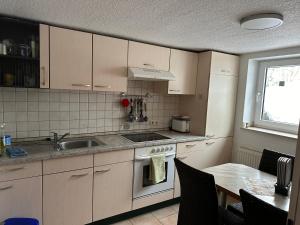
20, 63
70, 59
148, 56
109, 64
184, 66
224, 64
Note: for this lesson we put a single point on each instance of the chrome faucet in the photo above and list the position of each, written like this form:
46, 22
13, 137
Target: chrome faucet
56, 140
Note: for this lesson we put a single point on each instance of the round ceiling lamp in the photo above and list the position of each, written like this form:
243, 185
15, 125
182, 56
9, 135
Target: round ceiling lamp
262, 21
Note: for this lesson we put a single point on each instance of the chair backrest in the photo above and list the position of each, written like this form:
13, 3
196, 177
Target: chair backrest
199, 201
268, 162
258, 212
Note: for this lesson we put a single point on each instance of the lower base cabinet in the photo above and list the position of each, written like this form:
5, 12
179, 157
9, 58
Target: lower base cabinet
112, 190
21, 198
211, 152
67, 198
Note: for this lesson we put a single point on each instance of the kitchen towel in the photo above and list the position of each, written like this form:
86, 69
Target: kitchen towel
157, 171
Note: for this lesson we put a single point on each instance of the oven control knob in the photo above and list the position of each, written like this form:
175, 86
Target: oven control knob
162, 149
171, 148
167, 148
157, 150
153, 150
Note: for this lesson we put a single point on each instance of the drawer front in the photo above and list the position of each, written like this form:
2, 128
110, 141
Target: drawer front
13, 172
183, 148
113, 157
67, 164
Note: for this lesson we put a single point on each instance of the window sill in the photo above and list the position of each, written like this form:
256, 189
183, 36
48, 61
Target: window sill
273, 132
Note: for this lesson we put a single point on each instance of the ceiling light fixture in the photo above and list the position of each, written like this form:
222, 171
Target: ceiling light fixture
262, 21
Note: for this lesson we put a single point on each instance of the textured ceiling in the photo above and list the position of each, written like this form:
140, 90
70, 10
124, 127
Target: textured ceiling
187, 24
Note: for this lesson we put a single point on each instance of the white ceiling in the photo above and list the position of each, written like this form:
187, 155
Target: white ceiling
187, 24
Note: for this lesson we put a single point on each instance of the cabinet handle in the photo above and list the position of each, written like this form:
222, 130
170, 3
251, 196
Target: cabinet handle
182, 157
147, 64
174, 90
6, 188
14, 169
210, 143
81, 85
190, 146
79, 175
101, 171
44, 75
102, 86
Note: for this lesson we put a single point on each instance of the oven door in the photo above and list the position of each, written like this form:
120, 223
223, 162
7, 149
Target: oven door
142, 185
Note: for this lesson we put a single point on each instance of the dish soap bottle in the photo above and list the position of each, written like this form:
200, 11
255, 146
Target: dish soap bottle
2, 145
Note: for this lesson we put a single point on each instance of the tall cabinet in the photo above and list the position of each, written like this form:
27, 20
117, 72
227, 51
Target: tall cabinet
212, 112
212, 109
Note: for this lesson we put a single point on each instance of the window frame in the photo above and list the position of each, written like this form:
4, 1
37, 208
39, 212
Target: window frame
260, 92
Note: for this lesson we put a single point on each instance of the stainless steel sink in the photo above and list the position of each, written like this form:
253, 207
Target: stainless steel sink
82, 143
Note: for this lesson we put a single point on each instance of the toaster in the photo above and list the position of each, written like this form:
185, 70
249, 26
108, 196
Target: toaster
181, 124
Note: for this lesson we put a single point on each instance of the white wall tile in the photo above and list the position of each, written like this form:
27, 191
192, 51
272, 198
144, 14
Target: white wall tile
36, 112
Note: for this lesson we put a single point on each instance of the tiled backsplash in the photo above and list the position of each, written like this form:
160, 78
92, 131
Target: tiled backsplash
37, 112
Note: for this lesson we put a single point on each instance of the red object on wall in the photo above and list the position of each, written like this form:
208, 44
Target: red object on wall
125, 102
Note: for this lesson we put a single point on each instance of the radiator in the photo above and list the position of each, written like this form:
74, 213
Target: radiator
247, 156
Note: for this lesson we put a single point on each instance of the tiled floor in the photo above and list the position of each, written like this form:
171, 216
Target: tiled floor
164, 216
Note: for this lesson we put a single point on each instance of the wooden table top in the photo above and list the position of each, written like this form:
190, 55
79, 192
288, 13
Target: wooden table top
231, 177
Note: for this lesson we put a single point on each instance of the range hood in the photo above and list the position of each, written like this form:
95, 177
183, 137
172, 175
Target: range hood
135, 73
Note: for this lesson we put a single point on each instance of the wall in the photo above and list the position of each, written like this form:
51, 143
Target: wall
37, 112
252, 140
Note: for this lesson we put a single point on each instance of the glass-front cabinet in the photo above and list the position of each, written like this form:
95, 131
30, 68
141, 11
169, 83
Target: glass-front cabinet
19, 53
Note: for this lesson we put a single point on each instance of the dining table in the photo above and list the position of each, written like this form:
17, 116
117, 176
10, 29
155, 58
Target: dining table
231, 177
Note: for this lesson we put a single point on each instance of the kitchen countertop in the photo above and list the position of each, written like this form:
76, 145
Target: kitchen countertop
43, 150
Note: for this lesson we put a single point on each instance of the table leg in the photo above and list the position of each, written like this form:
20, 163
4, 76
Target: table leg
222, 199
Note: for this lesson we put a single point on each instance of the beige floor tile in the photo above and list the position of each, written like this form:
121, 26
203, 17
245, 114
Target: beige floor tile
125, 222
146, 219
175, 207
164, 212
170, 220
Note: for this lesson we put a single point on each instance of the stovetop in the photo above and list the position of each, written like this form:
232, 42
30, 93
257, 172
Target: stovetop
141, 137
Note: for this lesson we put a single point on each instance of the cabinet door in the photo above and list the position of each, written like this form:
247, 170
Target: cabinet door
70, 59
148, 56
221, 106
112, 190
109, 64
224, 64
212, 153
21, 198
184, 66
44, 56
67, 198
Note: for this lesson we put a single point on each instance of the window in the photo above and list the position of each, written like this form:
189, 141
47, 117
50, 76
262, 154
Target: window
278, 95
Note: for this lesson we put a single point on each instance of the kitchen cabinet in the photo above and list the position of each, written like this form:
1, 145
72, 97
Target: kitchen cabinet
203, 154
44, 56
70, 59
21, 198
212, 109
109, 64
67, 197
112, 190
224, 64
148, 56
183, 65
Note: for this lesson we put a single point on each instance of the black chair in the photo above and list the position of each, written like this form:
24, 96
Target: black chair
199, 201
258, 212
268, 164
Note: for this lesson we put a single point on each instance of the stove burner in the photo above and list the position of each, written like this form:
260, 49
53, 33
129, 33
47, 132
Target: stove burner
141, 137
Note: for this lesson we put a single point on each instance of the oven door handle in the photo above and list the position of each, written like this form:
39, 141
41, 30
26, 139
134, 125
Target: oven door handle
141, 158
